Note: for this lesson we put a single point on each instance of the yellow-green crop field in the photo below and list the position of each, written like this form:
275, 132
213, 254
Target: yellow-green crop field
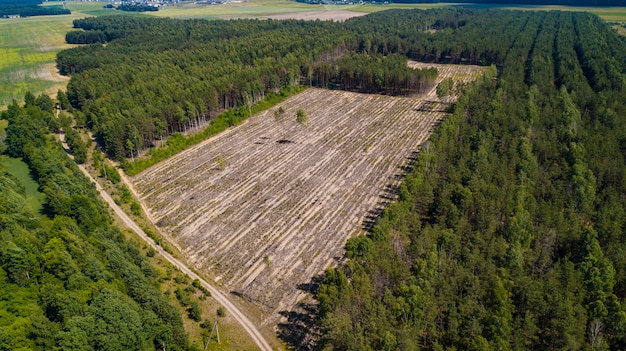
254, 8
28, 46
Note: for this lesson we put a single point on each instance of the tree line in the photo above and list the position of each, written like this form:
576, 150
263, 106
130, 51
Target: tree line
592, 3
372, 73
508, 233
69, 279
28, 8
185, 73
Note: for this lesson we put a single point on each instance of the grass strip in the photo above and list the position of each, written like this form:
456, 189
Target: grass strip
232, 117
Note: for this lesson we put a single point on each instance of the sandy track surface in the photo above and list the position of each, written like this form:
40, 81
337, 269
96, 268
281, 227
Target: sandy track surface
278, 214
241, 318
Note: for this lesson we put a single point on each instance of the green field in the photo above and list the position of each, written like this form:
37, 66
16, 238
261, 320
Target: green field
609, 14
20, 170
28, 46
252, 8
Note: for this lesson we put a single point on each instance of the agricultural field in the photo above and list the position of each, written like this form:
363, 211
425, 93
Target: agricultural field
28, 46
266, 206
609, 14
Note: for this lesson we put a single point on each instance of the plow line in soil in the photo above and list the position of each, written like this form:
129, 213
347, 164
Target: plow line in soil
262, 216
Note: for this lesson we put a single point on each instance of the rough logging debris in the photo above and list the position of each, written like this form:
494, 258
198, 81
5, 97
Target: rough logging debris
292, 204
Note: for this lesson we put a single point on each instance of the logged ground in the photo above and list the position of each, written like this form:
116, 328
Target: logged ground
262, 217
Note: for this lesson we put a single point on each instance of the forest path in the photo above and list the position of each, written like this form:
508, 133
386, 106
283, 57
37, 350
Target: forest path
246, 324
279, 207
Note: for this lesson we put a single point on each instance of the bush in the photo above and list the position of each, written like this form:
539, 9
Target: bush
194, 312
125, 194
135, 208
182, 297
196, 283
110, 173
181, 279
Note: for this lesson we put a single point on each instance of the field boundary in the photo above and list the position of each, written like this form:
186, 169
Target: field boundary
264, 206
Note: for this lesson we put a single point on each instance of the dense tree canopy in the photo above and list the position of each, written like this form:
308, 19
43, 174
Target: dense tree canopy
529, 2
69, 280
159, 76
509, 231
592, 3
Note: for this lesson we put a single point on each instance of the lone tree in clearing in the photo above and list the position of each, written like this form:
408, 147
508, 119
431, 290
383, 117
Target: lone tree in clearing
279, 116
302, 118
221, 163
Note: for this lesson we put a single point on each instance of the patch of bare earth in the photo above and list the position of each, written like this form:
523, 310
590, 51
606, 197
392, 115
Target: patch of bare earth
330, 15
262, 217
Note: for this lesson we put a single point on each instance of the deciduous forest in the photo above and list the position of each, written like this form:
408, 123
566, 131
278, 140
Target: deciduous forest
69, 280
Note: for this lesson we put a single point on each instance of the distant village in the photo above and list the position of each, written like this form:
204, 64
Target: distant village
160, 3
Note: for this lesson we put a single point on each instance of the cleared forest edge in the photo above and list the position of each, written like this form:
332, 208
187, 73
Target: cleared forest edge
262, 217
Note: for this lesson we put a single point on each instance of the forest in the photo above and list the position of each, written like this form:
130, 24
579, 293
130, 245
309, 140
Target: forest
69, 280
592, 3
137, 8
28, 8
508, 233
185, 73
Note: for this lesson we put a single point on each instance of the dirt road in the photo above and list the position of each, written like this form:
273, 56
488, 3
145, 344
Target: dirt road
254, 333
275, 214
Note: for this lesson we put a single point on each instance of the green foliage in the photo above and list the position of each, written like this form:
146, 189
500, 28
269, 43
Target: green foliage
501, 237
302, 118
177, 142
76, 145
68, 279
445, 88
44, 102
135, 208
373, 73
196, 283
63, 101
221, 312
183, 297
125, 194
181, 279
110, 173
194, 312
21, 178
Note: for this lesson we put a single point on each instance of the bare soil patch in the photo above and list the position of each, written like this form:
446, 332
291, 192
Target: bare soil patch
264, 207
50, 72
329, 15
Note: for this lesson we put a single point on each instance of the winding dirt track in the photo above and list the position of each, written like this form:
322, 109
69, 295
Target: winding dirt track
278, 214
246, 324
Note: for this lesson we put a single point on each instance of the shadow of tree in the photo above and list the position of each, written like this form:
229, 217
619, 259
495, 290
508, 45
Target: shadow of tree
299, 328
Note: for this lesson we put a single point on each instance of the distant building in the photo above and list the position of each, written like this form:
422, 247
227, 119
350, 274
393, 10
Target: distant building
11, 16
